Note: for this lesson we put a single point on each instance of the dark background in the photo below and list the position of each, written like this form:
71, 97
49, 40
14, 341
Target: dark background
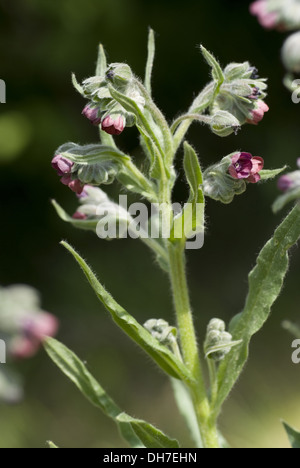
41, 43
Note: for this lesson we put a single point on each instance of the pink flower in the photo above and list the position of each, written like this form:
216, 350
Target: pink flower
113, 124
61, 165
91, 113
245, 166
75, 185
267, 19
78, 215
34, 330
258, 113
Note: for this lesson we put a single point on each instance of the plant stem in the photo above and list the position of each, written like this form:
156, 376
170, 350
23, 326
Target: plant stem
189, 344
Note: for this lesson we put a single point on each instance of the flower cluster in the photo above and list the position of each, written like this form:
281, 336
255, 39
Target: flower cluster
241, 94
102, 109
283, 15
63, 167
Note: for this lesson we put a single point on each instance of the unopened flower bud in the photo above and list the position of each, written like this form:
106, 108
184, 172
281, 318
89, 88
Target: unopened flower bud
78, 215
289, 181
92, 113
216, 324
75, 185
61, 165
223, 123
119, 74
218, 342
257, 114
291, 53
162, 331
113, 124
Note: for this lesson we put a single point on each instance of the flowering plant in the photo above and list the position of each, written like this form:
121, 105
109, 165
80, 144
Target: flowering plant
117, 99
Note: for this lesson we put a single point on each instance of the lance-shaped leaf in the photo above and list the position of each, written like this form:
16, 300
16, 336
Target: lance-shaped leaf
217, 72
266, 174
265, 283
77, 372
86, 224
138, 433
293, 435
148, 434
165, 359
150, 60
191, 220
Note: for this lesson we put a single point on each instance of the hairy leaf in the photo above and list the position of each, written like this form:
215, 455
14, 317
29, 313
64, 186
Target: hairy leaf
160, 354
265, 283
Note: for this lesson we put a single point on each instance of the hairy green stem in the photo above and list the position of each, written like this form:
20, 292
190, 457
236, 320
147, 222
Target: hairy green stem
189, 344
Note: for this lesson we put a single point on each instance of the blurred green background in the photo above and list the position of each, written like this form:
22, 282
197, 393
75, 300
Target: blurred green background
41, 43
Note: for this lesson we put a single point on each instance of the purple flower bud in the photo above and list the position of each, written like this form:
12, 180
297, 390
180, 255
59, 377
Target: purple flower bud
258, 113
245, 166
34, 329
75, 185
61, 165
285, 182
78, 215
267, 19
91, 113
255, 93
113, 124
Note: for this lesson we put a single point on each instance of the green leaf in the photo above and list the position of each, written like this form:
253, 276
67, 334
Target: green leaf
266, 174
150, 60
217, 72
76, 85
265, 283
221, 347
91, 154
86, 224
101, 62
160, 354
148, 434
293, 435
141, 120
77, 372
186, 408
51, 445
191, 219
282, 200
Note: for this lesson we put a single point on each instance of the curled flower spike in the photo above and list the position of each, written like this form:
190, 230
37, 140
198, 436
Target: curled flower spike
245, 166
91, 113
113, 124
257, 114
